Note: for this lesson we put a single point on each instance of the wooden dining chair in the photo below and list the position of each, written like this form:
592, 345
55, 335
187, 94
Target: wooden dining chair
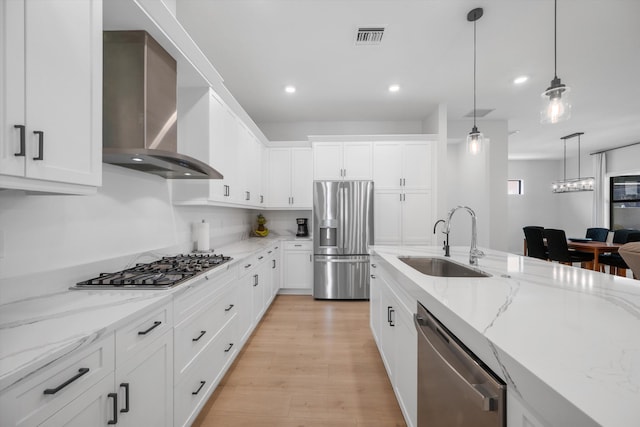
559, 250
597, 234
535, 242
615, 262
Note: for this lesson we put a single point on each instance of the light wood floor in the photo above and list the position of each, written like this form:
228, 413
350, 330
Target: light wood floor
308, 363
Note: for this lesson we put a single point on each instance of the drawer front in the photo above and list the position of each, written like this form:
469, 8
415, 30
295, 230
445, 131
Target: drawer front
302, 245
39, 396
142, 331
191, 299
195, 333
203, 376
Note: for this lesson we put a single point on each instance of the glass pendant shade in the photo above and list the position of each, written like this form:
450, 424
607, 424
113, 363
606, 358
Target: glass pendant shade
556, 103
475, 141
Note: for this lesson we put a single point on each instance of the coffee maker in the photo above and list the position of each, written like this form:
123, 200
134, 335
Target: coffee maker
303, 231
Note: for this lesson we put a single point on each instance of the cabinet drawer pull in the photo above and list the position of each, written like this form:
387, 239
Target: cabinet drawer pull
21, 153
155, 325
80, 373
373, 276
199, 336
298, 246
229, 308
126, 397
202, 383
247, 266
40, 134
374, 266
114, 396
260, 257
229, 348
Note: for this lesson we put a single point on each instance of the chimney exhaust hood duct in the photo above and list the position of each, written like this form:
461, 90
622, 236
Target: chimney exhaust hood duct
139, 129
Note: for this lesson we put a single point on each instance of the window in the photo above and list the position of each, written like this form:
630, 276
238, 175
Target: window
514, 186
624, 207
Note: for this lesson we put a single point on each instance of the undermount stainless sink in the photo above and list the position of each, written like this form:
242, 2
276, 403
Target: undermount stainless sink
441, 267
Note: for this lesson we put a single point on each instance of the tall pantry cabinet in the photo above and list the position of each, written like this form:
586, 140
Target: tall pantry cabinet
404, 198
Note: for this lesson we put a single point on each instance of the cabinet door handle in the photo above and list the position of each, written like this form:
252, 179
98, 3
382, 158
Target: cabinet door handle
247, 195
202, 383
292, 200
155, 325
21, 153
80, 373
261, 198
40, 144
228, 349
199, 336
374, 266
229, 308
126, 397
373, 276
255, 280
389, 308
274, 263
391, 319
114, 396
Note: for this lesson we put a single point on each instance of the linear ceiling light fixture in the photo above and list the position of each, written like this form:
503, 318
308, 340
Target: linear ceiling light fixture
576, 184
475, 138
556, 104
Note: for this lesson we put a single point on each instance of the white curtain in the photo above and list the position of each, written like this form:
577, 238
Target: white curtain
600, 169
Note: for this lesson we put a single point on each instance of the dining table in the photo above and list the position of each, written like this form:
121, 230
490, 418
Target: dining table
596, 248
584, 245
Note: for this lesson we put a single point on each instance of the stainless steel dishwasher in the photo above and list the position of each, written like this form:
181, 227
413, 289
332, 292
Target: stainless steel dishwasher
455, 389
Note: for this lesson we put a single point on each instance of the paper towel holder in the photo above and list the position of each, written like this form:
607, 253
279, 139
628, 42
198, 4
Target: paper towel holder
201, 232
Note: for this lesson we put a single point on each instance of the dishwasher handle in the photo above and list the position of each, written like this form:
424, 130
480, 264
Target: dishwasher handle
487, 401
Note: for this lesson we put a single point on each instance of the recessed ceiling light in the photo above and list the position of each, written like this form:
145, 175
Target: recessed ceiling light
520, 80
394, 88
187, 173
290, 89
137, 159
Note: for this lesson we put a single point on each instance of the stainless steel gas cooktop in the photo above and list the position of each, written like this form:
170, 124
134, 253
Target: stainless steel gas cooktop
163, 273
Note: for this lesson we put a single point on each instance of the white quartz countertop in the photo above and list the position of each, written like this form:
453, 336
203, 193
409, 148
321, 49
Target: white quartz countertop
565, 339
37, 331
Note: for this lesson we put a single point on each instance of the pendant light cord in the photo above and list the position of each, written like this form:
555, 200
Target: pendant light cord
474, 73
555, 39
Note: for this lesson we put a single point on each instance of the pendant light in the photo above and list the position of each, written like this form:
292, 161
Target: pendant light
576, 184
556, 105
475, 139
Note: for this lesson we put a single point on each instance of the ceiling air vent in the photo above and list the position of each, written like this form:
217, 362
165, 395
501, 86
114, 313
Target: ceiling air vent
369, 35
480, 112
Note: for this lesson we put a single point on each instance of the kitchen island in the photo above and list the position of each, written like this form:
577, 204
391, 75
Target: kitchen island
565, 340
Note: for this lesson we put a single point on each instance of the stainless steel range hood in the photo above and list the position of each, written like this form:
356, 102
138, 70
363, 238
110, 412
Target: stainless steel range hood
139, 129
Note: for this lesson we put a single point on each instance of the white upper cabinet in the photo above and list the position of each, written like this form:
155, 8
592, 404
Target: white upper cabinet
208, 130
403, 164
342, 161
51, 77
290, 177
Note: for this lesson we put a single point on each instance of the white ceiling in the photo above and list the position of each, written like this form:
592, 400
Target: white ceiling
260, 46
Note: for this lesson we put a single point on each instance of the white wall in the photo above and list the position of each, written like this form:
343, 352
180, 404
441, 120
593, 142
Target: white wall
571, 212
479, 182
51, 242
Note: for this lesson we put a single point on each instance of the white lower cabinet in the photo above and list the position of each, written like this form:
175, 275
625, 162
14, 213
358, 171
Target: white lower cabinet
145, 385
298, 265
65, 389
276, 271
395, 334
519, 415
94, 407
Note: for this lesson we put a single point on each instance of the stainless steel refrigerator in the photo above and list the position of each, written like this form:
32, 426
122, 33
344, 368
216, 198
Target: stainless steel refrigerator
342, 233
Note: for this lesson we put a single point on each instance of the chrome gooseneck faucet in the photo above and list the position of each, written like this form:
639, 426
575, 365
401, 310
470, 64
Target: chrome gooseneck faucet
474, 252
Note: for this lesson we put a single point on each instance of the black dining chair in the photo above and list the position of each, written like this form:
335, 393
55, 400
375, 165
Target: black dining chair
559, 250
616, 263
535, 242
597, 234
